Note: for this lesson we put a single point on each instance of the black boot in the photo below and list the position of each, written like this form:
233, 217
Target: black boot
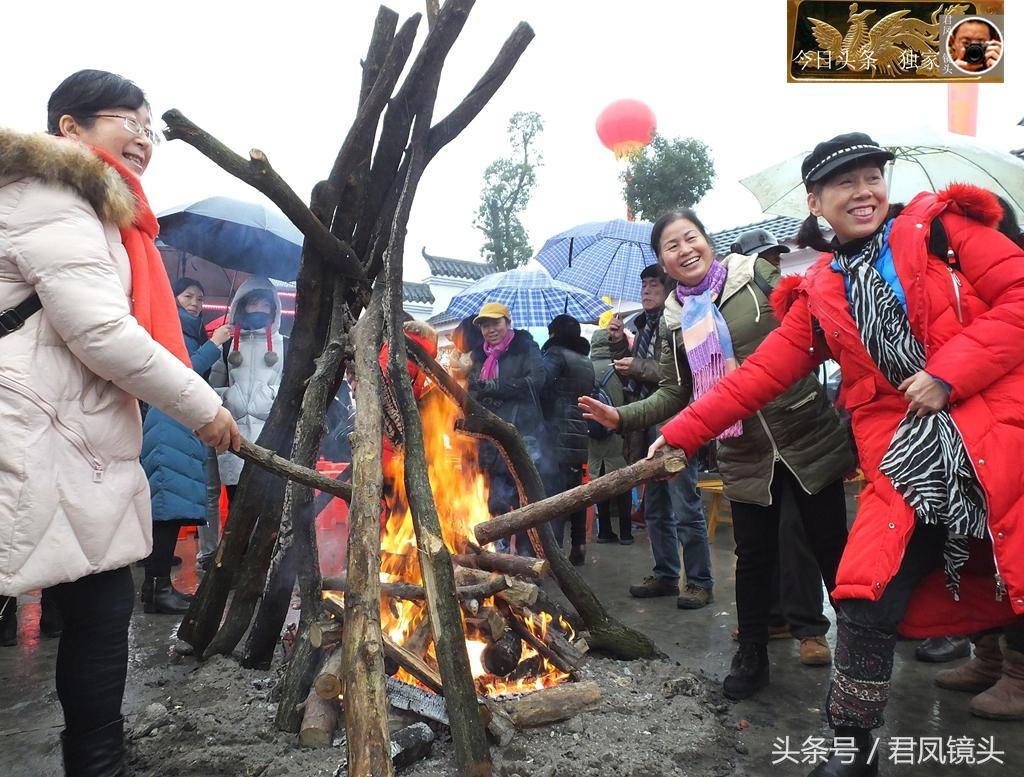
851, 749
51, 622
158, 596
748, 672
97, 753
8, 621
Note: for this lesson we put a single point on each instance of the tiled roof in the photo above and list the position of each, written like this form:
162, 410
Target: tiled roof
417, 292
441, 266
783, 227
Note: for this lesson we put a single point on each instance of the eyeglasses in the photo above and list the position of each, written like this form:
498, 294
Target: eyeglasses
132, 125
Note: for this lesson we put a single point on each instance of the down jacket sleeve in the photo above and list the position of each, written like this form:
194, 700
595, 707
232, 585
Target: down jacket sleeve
783, 357
61, 249
993, 343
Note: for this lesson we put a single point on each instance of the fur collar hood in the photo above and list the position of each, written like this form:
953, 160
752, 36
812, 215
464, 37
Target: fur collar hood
67, 163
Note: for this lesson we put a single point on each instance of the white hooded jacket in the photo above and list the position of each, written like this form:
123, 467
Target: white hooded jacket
248, 378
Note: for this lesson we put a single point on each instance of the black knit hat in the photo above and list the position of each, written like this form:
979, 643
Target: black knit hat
830, 155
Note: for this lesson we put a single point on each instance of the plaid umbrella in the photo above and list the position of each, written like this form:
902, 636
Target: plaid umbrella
533, 298
604, 258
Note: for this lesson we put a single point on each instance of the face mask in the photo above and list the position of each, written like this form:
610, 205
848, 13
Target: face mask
255, 320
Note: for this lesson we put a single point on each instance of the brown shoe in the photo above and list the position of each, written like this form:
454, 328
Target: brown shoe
1005, 699
814, 651
694, 597
654, 586
978, 674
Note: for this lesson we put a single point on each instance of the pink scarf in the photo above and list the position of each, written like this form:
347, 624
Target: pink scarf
494, 352
706, 336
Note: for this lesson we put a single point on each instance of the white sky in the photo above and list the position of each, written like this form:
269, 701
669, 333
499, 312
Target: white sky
284, 77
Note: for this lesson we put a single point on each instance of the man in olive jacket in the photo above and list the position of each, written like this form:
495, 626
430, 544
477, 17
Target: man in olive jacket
673, 510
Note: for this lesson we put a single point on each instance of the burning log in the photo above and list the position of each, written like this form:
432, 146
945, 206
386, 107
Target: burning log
549, 705
516, 592
536, 642
505, 563
501, 657
477, 588
606, 632
424, 703
319, 720
571, 652
597, 490
489, 623
420, 638
413, 664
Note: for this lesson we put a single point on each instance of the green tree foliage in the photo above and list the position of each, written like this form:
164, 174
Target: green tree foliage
668, 174
508, 183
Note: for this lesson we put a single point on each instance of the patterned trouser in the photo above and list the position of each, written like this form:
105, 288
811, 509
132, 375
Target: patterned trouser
860, 683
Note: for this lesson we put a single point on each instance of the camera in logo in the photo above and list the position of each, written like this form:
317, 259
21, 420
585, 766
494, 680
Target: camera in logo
975, 45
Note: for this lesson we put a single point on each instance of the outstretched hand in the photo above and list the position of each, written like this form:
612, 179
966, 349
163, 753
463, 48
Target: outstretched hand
606, 415
221, 433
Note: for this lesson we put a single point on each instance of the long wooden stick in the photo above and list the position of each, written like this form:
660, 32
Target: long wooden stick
267, 459
506, 563
366, 718
597, 490
472, 755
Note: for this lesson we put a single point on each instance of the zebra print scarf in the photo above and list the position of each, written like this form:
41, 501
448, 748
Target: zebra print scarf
926, 461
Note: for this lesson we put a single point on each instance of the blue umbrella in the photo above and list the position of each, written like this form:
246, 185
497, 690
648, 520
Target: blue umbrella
604, 258
235, 234
533, 298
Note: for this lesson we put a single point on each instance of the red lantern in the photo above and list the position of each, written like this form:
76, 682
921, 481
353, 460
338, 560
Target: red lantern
626, 126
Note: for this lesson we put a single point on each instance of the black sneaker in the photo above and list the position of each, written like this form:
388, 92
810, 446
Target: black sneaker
603, 540
748, 672
654, 586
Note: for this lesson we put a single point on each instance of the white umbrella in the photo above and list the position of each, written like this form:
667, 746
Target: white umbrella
925, 161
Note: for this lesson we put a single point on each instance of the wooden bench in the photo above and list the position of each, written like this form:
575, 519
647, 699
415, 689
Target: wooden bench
714, 487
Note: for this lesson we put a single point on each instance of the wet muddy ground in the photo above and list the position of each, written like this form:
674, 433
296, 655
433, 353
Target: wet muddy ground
215, 718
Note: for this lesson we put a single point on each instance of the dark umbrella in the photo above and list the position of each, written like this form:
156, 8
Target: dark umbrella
235, 234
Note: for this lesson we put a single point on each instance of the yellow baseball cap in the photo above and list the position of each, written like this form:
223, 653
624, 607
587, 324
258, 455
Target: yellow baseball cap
492, 310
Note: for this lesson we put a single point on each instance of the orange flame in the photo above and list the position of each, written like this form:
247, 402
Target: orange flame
460, 493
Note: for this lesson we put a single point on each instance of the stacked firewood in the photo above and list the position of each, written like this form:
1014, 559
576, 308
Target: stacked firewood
503, 606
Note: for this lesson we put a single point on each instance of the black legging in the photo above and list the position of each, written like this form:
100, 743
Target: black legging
756, 529
165, 537
92, 659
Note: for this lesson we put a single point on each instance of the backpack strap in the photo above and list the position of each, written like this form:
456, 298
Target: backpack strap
762, 283
606, 377
13, 319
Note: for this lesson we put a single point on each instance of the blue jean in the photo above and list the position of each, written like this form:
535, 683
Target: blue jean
674, 513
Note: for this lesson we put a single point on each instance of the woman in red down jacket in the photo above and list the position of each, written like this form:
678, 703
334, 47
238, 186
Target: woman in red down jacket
924, 311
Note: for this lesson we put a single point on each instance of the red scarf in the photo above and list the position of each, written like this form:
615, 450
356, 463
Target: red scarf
153, 303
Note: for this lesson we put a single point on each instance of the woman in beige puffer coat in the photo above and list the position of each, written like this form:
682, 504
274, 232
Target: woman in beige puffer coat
74, 501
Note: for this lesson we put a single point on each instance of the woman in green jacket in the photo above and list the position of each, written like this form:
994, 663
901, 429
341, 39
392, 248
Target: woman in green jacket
717, 316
